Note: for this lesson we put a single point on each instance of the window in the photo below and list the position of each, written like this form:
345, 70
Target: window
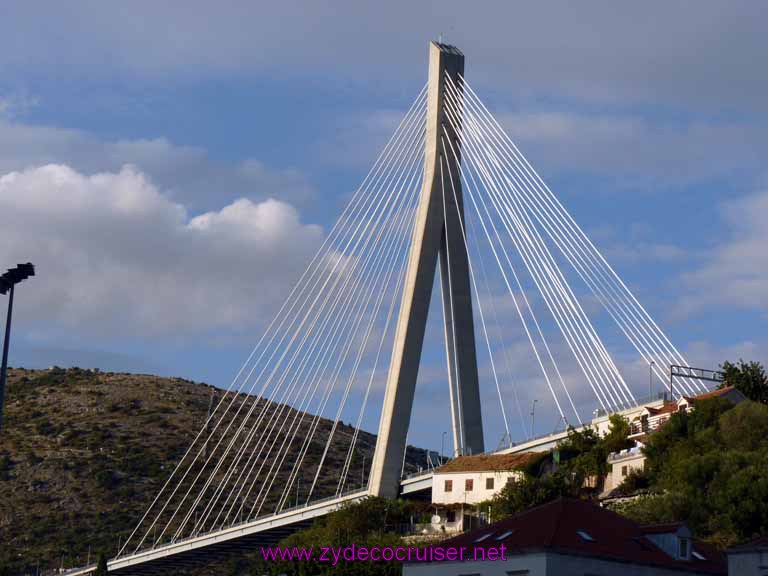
505, 534
518, 572
585, 536
623, 470
484, 537
684, 551
489, 483
469, 484
449, 485
451, 516
697, 555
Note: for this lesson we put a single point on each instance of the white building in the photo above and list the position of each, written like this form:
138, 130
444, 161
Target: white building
750, 559
475, 479
572, 537
622, 464
459, 486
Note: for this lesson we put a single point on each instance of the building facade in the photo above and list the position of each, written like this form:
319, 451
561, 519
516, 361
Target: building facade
574, 537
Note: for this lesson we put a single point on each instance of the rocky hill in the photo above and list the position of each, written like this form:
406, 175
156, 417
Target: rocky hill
82, 453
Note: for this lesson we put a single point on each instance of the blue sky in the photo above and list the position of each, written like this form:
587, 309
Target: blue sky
650, 122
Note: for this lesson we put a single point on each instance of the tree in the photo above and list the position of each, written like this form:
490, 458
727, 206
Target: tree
362, 524
749, 378
582, 468
101, 566
528, 491
617, 438
709, 468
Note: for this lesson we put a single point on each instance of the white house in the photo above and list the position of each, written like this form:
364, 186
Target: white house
474, 479
750, 559
621, 465
571, 537
464, 482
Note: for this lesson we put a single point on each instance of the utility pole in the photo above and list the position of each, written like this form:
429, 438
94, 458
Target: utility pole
533, 418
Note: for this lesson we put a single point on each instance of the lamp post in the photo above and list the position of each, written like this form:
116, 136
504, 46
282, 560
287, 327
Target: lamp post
533, 417
650, 380
7, 283
442, 448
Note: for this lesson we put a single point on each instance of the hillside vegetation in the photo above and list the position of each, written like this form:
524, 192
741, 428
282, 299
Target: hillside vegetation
82, 454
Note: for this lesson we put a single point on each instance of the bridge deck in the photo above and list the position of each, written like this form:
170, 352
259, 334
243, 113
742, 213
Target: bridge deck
206, 547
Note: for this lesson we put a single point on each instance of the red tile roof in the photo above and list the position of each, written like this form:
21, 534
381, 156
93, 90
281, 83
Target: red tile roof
554, 527
668, 408
667, 528
488, 463
714, 394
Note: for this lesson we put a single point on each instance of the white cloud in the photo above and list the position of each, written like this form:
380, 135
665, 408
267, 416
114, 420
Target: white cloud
186, 173
116, 255
736, 272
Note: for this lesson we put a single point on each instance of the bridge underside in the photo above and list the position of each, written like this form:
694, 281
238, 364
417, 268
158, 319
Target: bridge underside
197, 557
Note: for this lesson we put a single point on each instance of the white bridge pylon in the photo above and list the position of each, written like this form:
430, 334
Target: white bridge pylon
438, 231
450, 190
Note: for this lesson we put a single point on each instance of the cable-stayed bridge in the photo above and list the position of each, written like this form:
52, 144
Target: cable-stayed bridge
449, 193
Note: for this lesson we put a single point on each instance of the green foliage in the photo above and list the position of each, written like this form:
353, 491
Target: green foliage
87, 452
534, 466
709, 468
101, 566
582, 469
747, 377
633, 482
5, 466
528, 491
679, 427
361, 524
106, 479
617, 438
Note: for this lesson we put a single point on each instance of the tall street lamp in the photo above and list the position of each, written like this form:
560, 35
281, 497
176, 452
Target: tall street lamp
442, 448
7, 283
533, 418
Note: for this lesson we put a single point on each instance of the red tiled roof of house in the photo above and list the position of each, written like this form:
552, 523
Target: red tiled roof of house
669, 407
713, 394
665, 528
487, 463
555, 527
